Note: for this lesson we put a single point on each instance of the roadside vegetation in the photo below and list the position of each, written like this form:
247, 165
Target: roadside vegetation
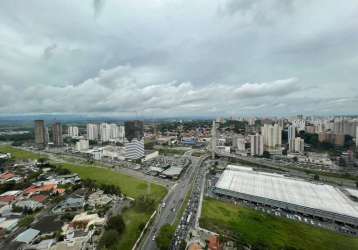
262, 231
165, 237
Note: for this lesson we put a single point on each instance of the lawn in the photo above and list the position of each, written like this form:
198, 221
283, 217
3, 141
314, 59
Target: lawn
254, 227
19, 154
130, 186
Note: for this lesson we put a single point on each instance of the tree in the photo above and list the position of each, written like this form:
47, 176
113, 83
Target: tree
165, 237
144, 204
116, 223
266, 154
316, 177
108, 239
26, 221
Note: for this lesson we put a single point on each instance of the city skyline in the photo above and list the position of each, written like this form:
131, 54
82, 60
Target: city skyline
176, 58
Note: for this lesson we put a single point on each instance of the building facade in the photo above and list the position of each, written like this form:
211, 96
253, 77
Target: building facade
40, 133
257, 145
134, 134
57, 134
92, 131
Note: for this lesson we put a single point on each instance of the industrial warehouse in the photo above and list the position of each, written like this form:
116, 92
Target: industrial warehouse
296, 195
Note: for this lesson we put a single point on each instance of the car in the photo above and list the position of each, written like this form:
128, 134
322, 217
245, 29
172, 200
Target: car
153, 237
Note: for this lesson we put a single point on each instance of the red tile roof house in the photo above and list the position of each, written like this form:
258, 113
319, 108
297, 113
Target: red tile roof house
39, 198
37, 189
9, 196
6, 176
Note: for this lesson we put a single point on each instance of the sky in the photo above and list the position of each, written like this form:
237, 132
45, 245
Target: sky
165, 58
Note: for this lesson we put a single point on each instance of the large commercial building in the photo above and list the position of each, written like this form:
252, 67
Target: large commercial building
40, 133
57, 134
257, 145
275, 190
134, 133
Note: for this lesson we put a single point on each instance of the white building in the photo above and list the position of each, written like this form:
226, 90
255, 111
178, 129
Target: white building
241, 143
92, 131
299, 145
116, 132
291, 138
299, 124
135, 149
105, 132
257, 144
72, 131
82, 145
272, 137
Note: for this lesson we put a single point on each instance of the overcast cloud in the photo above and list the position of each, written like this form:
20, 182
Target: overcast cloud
175, 57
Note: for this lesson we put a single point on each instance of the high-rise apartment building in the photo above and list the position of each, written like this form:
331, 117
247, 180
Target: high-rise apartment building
134, 133
105, 132
72, 131
40, 133
57, 134
272, 137
92, 131
257, 145
299, 145
291, 138
240, 142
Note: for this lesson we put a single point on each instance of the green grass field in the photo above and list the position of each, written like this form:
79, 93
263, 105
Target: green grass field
19, 154
254, 227
130, 186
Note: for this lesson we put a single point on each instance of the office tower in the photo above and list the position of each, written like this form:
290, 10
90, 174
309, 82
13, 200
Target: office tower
57, 134
105, 132
272, 137
134, 129
40, 132
72, 131
299, 145
291, 138
92, 131
257, 144
134, 133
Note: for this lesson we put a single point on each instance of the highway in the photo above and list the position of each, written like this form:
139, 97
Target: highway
173, 202
190, 217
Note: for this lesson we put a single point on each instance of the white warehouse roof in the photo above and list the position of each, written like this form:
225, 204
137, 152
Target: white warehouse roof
281, 188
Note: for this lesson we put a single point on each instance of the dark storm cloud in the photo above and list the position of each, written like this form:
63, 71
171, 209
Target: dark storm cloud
178, 57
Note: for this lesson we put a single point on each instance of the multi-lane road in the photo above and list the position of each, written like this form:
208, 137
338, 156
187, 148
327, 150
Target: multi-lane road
171, 205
